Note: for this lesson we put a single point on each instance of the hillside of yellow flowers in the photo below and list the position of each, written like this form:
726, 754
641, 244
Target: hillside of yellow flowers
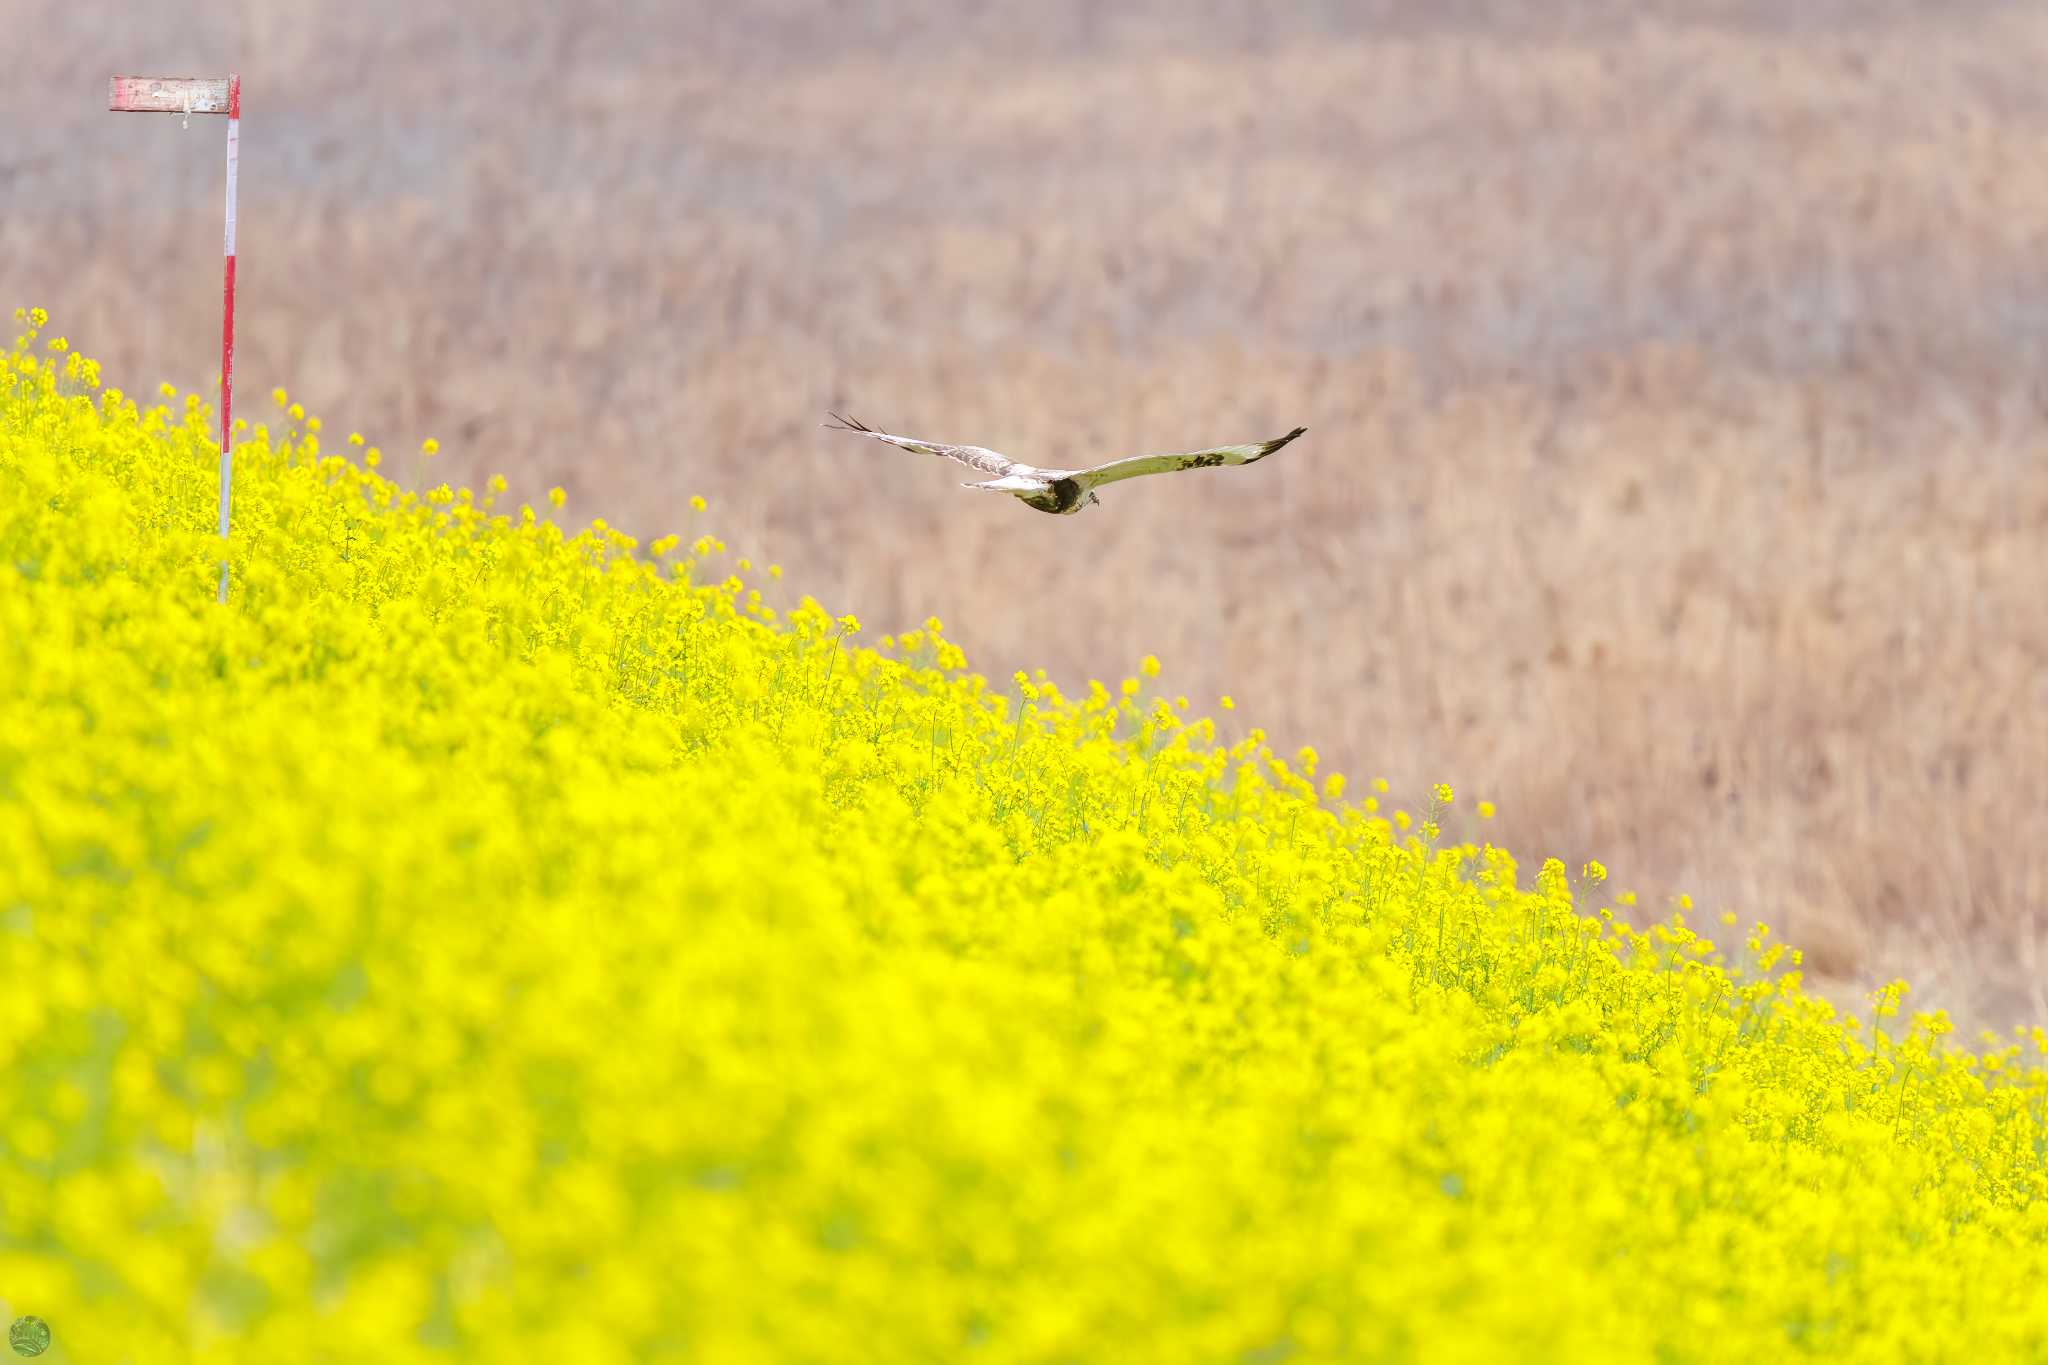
483, 941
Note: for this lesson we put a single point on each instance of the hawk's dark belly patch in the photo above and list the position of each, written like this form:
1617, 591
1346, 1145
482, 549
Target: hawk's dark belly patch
1064, 496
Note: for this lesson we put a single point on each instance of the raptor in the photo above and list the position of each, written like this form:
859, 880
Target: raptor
1063, 492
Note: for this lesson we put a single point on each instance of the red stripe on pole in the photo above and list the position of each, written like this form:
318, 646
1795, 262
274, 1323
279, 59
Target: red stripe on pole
227, 375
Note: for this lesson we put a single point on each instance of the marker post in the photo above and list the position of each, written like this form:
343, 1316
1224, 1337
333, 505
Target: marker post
189, 95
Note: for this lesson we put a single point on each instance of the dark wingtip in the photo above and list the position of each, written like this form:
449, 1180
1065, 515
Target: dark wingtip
845, 423
1274, 445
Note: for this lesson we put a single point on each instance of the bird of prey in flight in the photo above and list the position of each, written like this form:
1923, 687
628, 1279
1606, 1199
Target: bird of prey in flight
1065, 491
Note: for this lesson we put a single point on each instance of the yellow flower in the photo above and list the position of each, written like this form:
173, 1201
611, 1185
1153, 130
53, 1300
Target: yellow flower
697, 503
430, 446
37, 317
1594, 872
279, 397
1442, 795
826, 963
355, 438
1486, 810
167, 389
312, 424
296, 411
557, 496
373, 457
1226, 702
1149, 666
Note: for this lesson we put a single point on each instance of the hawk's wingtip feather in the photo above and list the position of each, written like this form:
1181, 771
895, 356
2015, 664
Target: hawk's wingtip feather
1274, 445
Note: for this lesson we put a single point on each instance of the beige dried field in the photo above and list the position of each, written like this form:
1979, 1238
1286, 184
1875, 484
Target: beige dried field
1676, 374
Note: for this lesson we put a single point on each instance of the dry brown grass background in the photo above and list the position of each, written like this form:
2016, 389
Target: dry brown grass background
1677, 468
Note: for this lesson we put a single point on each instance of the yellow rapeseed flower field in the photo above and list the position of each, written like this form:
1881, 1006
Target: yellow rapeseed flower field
482, 942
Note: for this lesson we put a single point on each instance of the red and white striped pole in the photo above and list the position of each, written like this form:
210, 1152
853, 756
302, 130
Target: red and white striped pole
189, 95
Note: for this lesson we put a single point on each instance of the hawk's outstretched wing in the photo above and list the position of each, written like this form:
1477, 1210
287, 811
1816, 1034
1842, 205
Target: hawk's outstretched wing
1139, 465
1000, 467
